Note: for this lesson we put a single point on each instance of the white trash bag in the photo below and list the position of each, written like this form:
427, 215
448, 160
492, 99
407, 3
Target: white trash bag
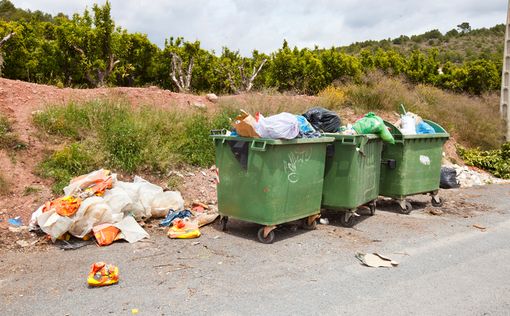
164, 201
280, 126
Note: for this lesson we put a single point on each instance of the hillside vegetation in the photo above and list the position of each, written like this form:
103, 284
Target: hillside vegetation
89, 50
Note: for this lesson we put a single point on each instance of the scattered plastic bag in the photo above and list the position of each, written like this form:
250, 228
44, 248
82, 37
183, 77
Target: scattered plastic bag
449, 178
53, 224
102, 274
118, 199
130, 230
323, 119
373, 124
279, 126
92, 211
184, 229
64, 206
164, 201
105, 234
172, 215
94, 183
15, 221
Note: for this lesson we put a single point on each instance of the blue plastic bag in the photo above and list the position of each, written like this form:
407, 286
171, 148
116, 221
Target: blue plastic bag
173, 215
424, 128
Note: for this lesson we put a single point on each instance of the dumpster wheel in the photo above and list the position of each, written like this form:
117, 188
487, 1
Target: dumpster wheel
436, 201
347, 219
372, 207
223, 223
405, 207
310, 223
269, 238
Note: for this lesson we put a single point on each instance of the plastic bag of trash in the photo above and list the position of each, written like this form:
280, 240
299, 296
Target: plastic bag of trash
102, 274
449, 178
53, 224
118, 199
323, 119
424, 128
408, 124
94, 183
373, 124
184, 228
92, 211
164, 201
105, 234
279, 126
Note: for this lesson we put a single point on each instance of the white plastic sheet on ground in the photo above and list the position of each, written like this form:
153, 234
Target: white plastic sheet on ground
130, 230
122, 205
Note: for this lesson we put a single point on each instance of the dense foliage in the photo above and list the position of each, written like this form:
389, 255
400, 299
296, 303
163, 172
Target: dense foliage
495, 161
89, 50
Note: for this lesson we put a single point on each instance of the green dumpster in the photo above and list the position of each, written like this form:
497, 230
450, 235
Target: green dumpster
412, 165
269, 181
351, 177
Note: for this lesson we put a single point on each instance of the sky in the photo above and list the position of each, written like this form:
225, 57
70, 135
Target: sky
246, 25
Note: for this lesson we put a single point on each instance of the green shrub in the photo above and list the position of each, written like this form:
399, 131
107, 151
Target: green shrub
63, 165
496, 161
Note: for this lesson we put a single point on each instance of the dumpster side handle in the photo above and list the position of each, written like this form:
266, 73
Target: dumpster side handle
258, 146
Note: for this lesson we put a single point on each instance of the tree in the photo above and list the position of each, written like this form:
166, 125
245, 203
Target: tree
464, 28
236, 69
2, 42
181, 73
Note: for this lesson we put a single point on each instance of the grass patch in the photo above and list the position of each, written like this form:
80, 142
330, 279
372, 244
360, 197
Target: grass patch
115, 135
174, 182
29, 190
8, 139
63, 165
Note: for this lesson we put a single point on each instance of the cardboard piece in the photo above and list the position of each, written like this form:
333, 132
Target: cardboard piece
245, 124
375, 260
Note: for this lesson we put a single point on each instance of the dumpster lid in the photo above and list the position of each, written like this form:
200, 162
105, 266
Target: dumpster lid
270, 141
440, 131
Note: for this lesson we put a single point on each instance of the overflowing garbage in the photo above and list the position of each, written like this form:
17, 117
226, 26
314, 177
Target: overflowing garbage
316, 121
100, 206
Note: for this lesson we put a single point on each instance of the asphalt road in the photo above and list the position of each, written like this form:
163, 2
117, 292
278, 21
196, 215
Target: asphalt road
447, 267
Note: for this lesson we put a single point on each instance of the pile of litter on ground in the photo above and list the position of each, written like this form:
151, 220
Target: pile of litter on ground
468, 177
99, 205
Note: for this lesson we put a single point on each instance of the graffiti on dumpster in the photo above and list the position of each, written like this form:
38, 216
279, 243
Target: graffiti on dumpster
294, 162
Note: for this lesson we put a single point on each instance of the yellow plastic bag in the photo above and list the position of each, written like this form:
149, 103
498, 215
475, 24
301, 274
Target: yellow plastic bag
184, 229
102, 274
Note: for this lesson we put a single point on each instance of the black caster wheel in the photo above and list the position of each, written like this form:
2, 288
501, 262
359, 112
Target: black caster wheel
223, 223
372, 206
435, 203
307, 226
267, 240
407, 209
347, 219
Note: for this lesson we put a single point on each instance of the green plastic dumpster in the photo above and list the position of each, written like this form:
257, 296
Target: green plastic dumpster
412, 165
351, 177
270, 182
